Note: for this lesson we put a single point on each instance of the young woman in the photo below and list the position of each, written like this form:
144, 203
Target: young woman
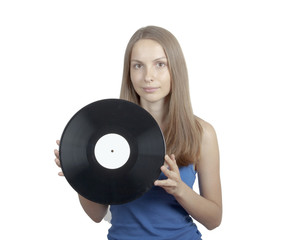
155, 77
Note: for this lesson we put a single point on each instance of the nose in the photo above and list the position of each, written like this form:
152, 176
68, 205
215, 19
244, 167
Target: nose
149, 76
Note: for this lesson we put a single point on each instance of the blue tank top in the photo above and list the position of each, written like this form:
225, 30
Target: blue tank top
155, 215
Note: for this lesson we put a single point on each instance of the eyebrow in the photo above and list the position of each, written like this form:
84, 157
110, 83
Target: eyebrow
157, 59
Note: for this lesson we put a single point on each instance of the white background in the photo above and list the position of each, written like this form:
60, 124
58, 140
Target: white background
57, 56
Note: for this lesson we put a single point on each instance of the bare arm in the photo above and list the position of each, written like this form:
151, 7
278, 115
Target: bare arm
94, 210
206, 208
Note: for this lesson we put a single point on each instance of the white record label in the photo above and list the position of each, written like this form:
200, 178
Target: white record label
112, 151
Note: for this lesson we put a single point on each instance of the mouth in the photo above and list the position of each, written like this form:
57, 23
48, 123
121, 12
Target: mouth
150, 89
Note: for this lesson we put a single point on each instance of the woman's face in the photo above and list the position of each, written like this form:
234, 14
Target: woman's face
149, 71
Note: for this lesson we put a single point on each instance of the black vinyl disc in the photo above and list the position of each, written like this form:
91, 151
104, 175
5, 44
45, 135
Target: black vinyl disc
111, 151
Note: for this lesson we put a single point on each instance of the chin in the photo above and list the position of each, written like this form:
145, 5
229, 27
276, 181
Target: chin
152, 99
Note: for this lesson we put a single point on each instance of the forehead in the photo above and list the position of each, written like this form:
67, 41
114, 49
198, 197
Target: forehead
147, 49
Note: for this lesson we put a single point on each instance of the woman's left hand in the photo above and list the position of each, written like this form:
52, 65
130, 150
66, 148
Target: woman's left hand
173, 184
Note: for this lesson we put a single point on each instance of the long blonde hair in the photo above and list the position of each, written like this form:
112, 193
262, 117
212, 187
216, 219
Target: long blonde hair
184, 134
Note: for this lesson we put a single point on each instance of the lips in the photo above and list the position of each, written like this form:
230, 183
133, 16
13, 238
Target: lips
150, 89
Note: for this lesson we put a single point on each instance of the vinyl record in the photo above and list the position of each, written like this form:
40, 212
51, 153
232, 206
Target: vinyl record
111, 151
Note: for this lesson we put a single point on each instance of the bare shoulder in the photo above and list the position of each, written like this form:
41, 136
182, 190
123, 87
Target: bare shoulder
208, 129
209, 145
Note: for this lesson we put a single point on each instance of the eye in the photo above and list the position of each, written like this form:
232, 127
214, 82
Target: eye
137, 66
161, 64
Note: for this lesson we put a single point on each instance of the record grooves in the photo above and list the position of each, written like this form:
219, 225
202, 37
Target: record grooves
111, 151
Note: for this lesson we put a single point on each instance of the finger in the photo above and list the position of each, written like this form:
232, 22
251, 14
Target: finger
57, 154
164, 183
61, 174
166, 171
58, 162
171, 162
58, 142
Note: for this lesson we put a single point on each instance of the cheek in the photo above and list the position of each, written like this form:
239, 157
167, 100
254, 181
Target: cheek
168, 88
134, 84
135, 78
167, 81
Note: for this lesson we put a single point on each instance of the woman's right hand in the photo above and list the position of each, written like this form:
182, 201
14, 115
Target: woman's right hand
57, 159
94, 210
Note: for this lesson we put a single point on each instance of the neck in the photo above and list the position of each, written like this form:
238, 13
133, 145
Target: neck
158, 110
